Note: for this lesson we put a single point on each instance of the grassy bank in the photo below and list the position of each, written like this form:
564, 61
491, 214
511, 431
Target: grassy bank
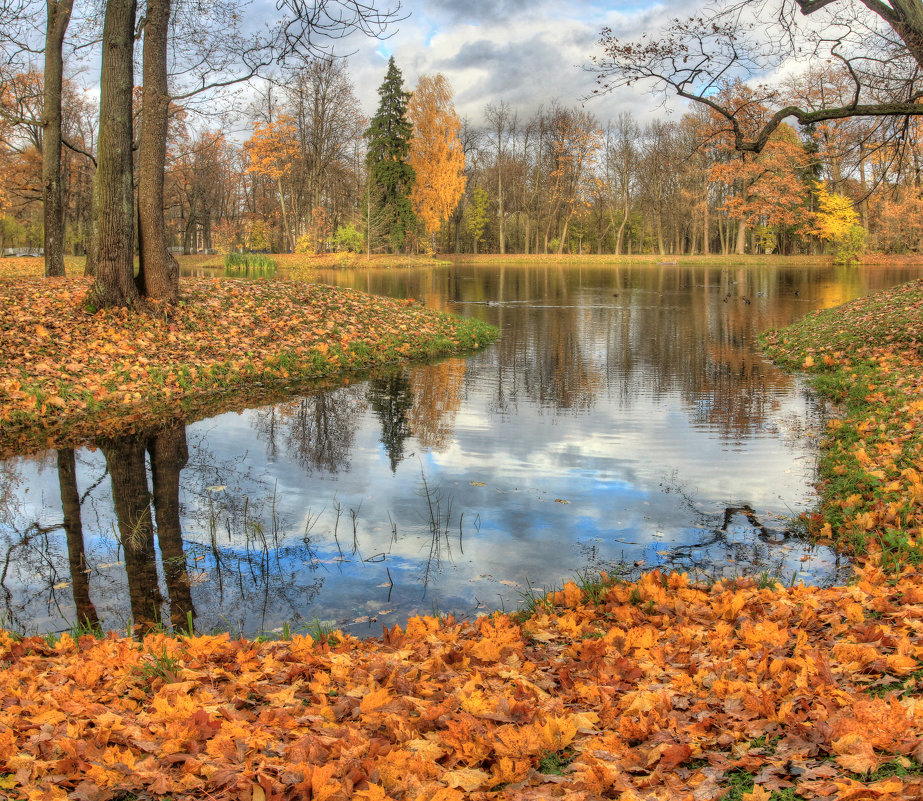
66, 375
295, 263
652, 690
605, 260
866, 359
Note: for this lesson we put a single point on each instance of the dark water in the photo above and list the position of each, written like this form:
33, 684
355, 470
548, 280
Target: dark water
623, 422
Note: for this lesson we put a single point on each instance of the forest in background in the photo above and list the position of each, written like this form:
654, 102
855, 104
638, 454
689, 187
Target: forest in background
557, 181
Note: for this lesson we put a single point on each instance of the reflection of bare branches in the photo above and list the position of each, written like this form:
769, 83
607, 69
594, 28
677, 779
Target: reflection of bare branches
10, 505
319, 429
732, 549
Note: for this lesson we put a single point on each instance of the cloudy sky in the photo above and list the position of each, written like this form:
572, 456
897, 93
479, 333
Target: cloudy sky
525, 52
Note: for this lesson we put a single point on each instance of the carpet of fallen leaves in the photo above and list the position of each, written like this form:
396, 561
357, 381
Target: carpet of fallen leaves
651, 690
867, 357
66, 374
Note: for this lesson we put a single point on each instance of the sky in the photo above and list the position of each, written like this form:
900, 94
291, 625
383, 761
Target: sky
524, 52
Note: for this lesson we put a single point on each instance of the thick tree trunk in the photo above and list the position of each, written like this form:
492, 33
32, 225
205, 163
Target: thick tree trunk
73, 529
158, 276
114, 213
169, 454
58, 17
741, 247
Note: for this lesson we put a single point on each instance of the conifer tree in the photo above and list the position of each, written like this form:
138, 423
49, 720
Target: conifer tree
391, 177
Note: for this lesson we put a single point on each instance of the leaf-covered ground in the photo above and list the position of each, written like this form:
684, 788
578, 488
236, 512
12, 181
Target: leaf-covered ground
652, 690
66, 374
867, 358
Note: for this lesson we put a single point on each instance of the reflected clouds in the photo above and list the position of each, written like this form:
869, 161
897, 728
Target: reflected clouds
623, 421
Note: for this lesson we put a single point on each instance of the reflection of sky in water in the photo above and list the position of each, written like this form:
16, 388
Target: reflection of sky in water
618, 424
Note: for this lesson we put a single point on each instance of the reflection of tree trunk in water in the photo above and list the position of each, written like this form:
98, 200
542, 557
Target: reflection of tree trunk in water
169, 455
70, 504
125, 458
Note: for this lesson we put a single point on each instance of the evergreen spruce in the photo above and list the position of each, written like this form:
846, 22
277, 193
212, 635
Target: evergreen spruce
390, 175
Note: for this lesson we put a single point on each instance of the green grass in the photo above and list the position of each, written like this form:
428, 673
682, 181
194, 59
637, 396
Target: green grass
740, 782
864, 358
553, 763
254, 265
158, 666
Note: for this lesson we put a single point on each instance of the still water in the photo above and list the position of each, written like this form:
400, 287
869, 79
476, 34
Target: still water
623, 422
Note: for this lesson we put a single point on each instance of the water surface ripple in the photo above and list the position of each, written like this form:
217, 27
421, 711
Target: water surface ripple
623, 422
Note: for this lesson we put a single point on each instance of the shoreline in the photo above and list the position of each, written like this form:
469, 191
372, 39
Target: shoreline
866, 359
69, 376
657, 688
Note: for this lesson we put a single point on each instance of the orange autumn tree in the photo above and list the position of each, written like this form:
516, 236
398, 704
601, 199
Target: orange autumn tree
765, 191
436, 153
272, 149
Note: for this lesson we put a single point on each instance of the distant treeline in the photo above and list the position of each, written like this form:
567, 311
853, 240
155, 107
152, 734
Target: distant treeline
558, 181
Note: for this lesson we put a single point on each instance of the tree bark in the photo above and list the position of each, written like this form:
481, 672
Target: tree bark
705, 225
58, 17
113, 191
741, 246
158, 275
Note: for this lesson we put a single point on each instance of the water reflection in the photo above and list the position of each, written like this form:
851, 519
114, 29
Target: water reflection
622, 422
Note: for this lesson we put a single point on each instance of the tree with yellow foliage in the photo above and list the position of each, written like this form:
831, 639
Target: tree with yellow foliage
837, 222
272, 150
436, 153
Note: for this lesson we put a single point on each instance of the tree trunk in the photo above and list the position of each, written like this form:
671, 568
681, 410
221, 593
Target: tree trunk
286, 230
500, 204
169, 454
73, 529
112, 189
741, 246
58, 17
158, 275
705, 225
621, 232
564, 233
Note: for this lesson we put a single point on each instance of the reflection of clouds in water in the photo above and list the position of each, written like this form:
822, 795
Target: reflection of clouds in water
648, 413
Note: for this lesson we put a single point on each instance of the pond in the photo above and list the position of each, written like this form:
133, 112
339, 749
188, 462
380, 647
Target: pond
623, 422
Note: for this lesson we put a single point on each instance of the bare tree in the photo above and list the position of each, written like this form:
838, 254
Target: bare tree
879, 45
501, 125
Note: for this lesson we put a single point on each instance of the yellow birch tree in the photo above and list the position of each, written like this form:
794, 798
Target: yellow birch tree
436, 153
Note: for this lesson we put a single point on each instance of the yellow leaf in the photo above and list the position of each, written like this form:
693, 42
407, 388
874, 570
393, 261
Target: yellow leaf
757, 794
374, 793
469, 779
901, 664
374, 699
855, 753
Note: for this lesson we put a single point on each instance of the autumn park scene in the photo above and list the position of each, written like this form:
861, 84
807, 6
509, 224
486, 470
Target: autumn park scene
443, 401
